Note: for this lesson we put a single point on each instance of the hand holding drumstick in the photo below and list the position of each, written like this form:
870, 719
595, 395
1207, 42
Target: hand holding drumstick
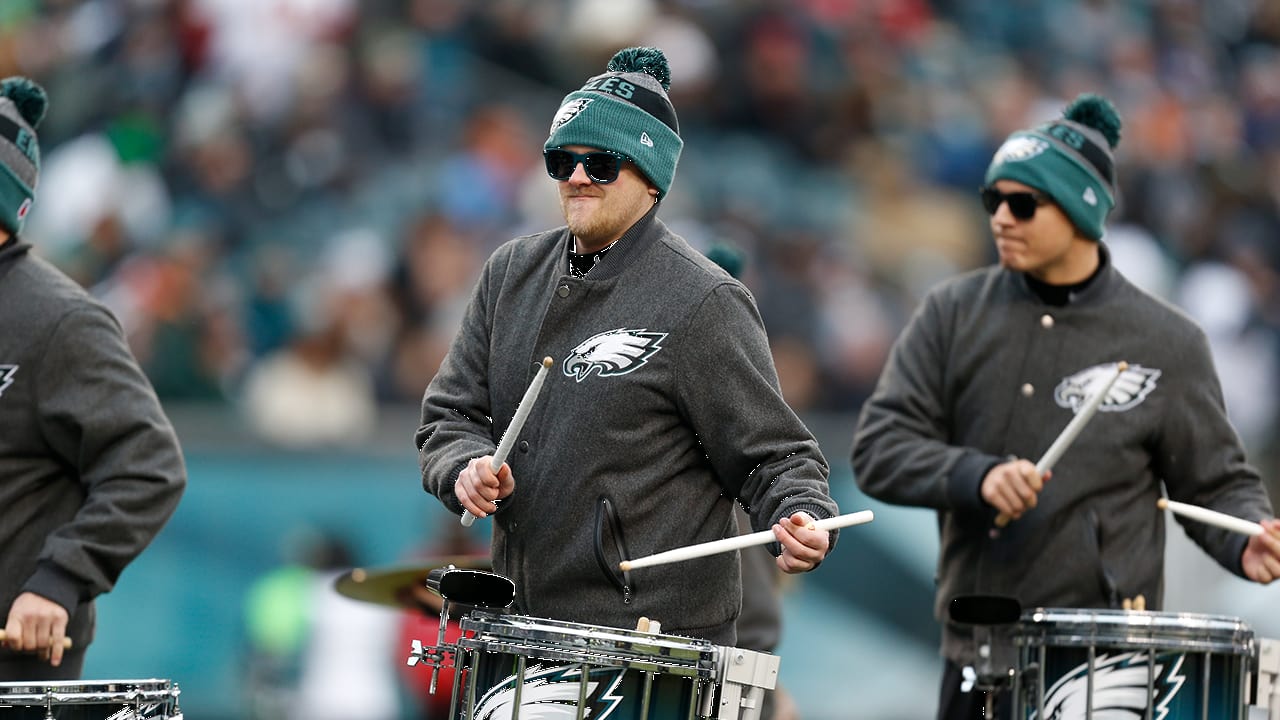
1261, 557
803, 544
485, 480
1012, 487
37, 624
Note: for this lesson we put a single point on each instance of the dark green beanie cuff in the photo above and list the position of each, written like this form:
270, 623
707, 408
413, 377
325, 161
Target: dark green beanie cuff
607, 124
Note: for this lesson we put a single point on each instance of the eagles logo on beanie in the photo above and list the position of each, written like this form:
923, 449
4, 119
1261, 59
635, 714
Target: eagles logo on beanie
22, 106
1069, 160
626, 110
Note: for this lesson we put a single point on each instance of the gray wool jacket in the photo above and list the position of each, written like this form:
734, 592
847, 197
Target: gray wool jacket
90, 468
985, 371
662, 407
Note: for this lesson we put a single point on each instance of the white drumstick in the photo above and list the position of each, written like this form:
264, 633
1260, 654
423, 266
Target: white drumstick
513, 430
1211, 517
1069, 433
689, 552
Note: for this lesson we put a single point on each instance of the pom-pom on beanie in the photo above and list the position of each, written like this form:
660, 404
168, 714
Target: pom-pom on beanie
22, 107
1069, 159
626, 110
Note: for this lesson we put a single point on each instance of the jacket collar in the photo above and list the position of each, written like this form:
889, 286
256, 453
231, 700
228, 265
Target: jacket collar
633, 242
1099, 288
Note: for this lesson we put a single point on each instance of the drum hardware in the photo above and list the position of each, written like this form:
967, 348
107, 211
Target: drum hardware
993, 617
473, 588
1267, 690
746, 675
151, 699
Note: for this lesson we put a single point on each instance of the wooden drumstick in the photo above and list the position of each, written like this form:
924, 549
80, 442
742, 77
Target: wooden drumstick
513, 430
1211, 517
1069, 433
66, 641
764, 537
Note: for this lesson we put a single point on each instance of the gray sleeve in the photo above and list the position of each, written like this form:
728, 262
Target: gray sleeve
101, 416
728, 388
1202, 460
456, 423
900, 451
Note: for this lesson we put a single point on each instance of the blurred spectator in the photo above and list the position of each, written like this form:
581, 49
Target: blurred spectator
315, 654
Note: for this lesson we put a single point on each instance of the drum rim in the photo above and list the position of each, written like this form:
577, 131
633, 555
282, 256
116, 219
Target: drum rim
155, 692
601, 645
64, 684
1136, 629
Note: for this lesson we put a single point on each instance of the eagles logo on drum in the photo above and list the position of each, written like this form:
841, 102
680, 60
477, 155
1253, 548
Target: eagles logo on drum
552, 692
1119, 685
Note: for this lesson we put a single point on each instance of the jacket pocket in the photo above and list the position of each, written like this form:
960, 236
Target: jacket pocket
607, 522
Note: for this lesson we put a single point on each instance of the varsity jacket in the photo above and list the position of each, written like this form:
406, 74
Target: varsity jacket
90, 468
661, 409
985, 372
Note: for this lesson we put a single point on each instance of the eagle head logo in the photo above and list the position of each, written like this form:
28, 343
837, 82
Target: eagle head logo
569, 111
1119, 688
616, 352
1130, 389
1019, 147
551, 693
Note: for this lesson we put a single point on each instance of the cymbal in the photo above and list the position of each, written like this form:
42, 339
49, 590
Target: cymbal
402, 586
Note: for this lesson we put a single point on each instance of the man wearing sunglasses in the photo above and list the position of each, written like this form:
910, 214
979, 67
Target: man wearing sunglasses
995, 363
662, 409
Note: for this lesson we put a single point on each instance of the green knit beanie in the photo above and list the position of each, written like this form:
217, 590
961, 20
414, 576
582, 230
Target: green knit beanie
22, 106
626, 110
1069, 160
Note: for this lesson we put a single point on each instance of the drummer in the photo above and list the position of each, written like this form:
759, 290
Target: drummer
661, 412
991, 368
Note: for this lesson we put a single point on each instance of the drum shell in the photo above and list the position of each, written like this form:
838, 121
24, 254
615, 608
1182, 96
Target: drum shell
1181, 666
632, 675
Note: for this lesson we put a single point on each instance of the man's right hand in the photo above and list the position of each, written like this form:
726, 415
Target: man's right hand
478, 487
1012, 487
37, 624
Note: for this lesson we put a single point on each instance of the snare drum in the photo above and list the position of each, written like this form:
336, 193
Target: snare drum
1096, 664
90, 700
521, 667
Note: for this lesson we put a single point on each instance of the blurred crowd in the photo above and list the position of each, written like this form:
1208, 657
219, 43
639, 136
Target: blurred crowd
288, 201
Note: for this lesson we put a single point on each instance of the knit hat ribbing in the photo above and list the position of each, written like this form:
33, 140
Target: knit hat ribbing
22, 107
1068, 159
626, 110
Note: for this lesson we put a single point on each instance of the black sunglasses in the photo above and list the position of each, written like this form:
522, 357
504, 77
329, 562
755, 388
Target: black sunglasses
602, 166
1022, 205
